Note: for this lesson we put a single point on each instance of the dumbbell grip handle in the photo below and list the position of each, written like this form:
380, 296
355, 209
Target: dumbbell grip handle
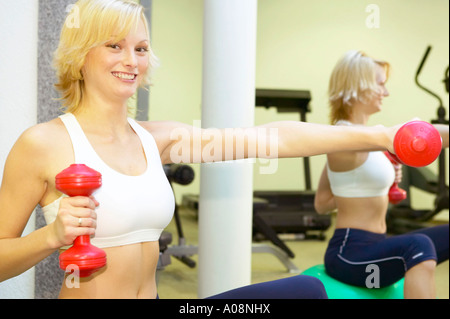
82, 240
396, 194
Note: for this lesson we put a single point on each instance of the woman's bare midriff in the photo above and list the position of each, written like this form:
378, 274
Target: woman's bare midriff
367, 213
129, 274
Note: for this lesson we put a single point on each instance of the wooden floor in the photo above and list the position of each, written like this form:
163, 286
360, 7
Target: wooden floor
178, 281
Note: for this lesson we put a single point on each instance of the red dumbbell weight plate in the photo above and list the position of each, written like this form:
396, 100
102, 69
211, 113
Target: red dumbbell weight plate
86, 257
417, 144
78, 180
396, 194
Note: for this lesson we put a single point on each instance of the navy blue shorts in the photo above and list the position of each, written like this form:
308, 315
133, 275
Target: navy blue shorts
350, 252
296, 287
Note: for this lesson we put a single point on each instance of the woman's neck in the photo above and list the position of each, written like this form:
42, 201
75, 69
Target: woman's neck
105, 115
359, 118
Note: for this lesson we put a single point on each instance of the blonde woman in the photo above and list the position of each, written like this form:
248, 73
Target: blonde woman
357, 185
99, 67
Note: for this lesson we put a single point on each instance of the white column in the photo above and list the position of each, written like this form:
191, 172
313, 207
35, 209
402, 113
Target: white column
226, 189
18, 101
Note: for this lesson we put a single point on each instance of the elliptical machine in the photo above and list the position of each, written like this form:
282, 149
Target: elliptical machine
402, 217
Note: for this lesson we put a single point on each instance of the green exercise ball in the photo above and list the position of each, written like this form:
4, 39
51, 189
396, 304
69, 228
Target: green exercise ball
338, 290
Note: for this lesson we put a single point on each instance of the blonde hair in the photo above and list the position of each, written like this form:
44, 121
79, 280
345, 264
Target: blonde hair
99, 21
353, 79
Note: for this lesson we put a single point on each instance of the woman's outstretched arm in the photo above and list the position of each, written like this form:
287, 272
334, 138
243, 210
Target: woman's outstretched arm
181, 143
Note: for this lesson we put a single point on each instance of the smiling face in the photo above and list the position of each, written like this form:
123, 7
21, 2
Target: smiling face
115, 70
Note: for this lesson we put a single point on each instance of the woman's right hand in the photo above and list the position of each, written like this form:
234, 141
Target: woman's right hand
76, 217
392, 132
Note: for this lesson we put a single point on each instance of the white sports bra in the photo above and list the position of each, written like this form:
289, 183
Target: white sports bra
132, 209
373, 178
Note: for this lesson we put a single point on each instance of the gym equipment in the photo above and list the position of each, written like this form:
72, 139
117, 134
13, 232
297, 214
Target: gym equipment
288, 101
441, 201
446, 81
280, 213
338, 290
280, 250
417, 144
183, 174
180, 174
396, 194
288, 212
403, 217
80, 180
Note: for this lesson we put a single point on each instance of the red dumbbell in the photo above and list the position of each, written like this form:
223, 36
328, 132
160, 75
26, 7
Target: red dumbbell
396, 194
417, 144
80, 180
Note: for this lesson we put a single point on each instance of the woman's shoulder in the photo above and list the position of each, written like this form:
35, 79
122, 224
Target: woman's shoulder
40, 148
43, 141
44, 134
346, 161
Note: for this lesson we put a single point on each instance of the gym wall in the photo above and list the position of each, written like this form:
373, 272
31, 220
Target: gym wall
18, 101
